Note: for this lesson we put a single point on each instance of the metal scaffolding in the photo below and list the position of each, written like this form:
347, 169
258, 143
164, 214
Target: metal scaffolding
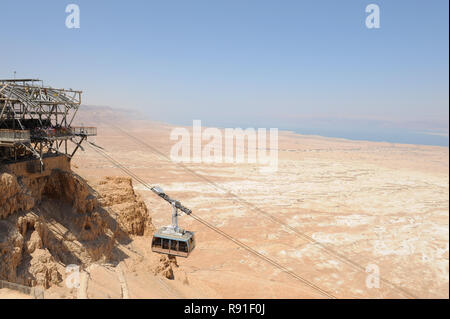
36, 120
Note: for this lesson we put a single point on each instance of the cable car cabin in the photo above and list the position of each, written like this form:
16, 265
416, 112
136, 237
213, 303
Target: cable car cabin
173, 240
167, 241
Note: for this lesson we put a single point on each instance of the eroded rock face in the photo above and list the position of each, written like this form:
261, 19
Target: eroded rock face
166, 266
13, 197
52, 221
42, 269
11, 247
70, 188
117, 194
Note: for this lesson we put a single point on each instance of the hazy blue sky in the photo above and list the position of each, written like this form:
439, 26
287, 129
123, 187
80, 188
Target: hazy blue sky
289, 64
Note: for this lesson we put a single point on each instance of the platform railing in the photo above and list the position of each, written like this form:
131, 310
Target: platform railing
84, 130
51, 133
7, 135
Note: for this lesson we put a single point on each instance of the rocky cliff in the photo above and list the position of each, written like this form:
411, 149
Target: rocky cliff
48, 222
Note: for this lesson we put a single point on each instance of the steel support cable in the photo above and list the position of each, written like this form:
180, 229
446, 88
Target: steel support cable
220, 232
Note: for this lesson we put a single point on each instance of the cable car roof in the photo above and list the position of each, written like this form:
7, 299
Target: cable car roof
163, 233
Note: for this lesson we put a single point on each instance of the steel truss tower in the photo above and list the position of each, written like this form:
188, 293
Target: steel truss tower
36, 121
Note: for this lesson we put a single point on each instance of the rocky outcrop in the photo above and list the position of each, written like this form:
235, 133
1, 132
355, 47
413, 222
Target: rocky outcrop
117, 194
42, 269
166, 266
48, 222
11, 248
13, 196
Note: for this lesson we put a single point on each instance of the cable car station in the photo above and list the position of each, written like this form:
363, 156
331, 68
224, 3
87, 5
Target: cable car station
36, 122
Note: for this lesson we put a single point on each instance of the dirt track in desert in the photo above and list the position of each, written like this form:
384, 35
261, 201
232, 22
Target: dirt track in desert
353, 205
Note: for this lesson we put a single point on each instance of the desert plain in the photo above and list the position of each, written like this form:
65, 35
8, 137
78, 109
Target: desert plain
354, 209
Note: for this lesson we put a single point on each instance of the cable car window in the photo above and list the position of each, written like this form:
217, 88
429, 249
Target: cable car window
183, 246
173, 245
165, 244
156, 242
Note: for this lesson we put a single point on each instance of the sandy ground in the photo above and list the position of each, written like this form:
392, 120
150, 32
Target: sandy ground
359, 204
6, 293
